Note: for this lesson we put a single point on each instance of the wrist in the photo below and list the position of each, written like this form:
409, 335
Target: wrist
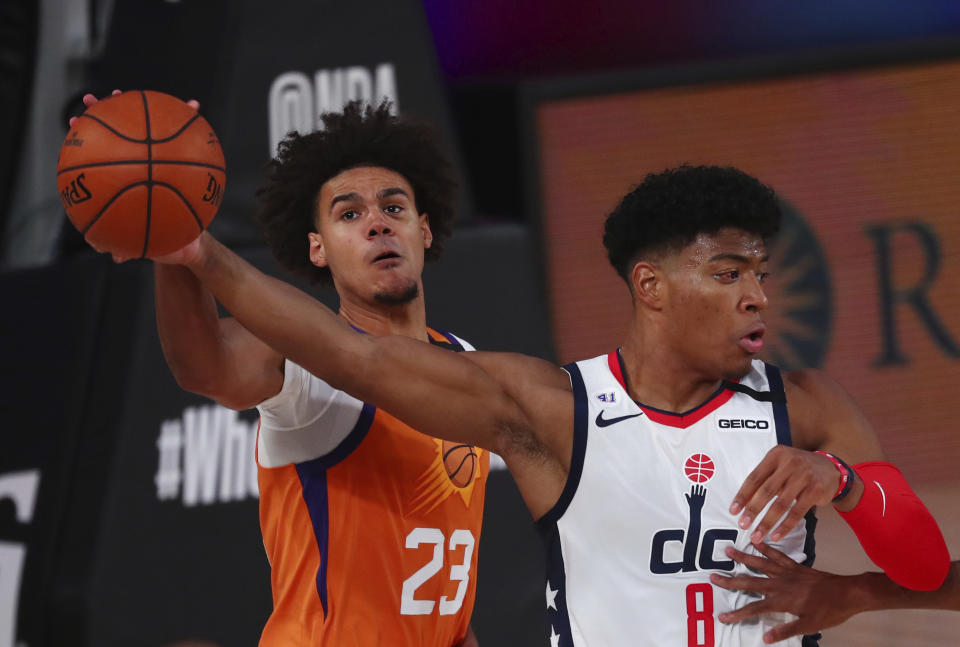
847, 477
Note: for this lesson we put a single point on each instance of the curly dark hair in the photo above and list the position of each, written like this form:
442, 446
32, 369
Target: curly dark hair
668, 210
357, 136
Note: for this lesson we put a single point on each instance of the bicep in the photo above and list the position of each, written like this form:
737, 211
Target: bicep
251, 371
825, 417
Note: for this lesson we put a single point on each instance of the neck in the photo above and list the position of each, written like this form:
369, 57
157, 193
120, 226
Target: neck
407, 319
660, 377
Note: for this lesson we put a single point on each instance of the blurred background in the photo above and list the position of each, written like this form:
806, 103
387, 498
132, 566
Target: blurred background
128, 508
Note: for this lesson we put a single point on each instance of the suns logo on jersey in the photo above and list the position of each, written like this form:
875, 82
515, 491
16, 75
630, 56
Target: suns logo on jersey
454, 472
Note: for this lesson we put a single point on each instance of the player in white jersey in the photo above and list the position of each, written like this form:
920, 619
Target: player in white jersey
638, 483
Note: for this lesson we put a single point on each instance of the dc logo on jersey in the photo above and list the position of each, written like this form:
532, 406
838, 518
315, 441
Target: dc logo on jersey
697, 550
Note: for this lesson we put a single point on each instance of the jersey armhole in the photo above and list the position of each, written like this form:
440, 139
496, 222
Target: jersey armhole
549, 519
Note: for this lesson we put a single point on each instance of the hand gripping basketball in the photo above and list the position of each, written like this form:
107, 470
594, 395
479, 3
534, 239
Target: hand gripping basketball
140, 174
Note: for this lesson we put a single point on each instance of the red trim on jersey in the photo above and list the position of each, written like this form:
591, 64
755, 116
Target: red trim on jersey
678, 420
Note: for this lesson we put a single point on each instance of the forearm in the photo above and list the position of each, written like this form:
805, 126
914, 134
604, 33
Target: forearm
877, 592
896, 530
188, 325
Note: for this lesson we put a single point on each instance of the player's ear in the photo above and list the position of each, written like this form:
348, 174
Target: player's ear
425, 228
318, 254
647, 285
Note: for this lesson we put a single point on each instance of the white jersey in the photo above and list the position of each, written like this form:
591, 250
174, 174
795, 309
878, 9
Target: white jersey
644, 517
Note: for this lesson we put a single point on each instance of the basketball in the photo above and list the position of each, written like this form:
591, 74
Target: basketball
460, 462
699, 468
141, 174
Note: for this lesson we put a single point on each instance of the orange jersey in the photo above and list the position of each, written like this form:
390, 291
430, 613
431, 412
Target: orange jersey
371, 527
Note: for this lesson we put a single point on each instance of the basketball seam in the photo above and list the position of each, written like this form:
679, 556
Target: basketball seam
113, 130
116, 195
460, 466
146, 233
140, 161
455, 448
177, 134
185, 201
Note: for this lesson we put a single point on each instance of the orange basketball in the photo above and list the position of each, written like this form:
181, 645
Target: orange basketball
460, 462
141, 174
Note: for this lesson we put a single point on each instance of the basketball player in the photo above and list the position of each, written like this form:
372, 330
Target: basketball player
822, 600
370, 541
643, 464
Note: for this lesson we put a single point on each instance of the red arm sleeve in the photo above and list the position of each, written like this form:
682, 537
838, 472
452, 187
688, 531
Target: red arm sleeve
896, 530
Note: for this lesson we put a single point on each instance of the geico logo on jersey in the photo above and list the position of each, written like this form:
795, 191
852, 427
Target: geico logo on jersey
207, 456
742, 423
296, 101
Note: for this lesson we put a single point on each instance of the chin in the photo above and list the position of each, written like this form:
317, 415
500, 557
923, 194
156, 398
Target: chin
399, 296
734, 373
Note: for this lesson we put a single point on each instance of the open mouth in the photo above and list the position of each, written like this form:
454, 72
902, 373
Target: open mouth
752, 342
385, 256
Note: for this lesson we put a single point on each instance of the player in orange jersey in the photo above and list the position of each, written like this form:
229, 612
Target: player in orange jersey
371, 534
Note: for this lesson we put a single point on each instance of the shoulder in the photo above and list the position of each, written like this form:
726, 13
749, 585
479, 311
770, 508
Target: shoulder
823, 415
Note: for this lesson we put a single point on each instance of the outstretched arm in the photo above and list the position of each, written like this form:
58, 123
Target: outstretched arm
440, 393
822, 600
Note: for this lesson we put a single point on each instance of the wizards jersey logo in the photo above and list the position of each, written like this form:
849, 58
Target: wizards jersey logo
698, 550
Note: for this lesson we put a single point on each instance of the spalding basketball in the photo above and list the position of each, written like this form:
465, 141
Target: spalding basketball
460, 462
141, 174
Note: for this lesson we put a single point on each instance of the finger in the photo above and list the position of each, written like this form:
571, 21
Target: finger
805, 501
782, 632
71, 121
766, 491
751, 610
760, 564
117, 258
790, 490
116, 92
89, 99
772, 554
753, 481
193, 103
739, 582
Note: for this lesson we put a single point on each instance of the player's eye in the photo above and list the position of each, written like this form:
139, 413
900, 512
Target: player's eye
349, 214
763, 276
393, 208
728, 277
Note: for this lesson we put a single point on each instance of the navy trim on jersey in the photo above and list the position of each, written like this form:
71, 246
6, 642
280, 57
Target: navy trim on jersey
626, 387
453, 341
313, 483
350, 443
780, 417
810, 549
558, 619
579, 450
759, 396
453, 344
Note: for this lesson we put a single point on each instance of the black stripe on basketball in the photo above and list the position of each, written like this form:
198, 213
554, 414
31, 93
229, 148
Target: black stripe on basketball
470, 455
146, 114
141, 161
185, 201
109, 202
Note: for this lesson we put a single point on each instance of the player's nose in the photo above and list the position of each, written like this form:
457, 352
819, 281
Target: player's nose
755, 298
379, 225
